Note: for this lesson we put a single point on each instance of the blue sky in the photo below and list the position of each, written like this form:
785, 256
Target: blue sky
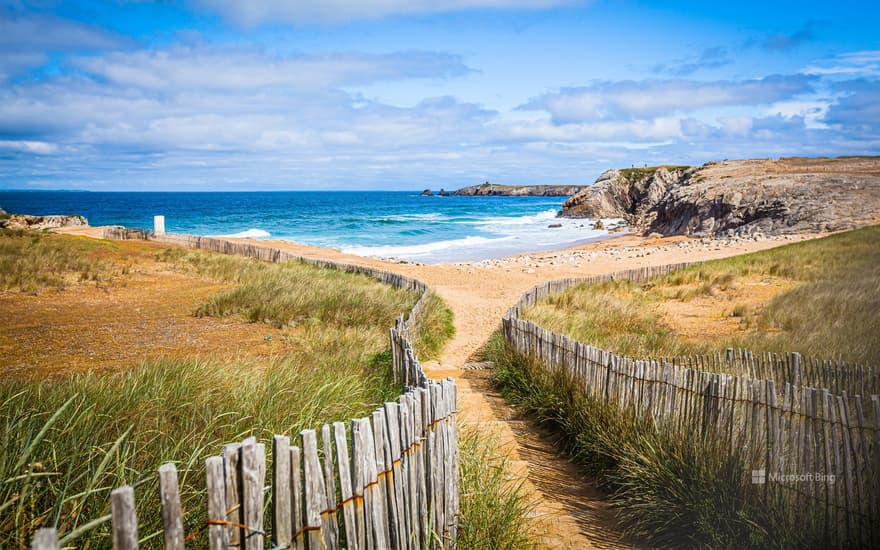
393, 94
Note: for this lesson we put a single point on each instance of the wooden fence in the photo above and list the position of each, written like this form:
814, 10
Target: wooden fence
388, 481
809, 431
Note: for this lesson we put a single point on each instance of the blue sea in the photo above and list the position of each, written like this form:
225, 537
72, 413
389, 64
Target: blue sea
403, 225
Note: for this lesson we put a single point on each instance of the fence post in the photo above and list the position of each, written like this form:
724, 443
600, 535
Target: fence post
45, 539
124, 518
282, 521
172, 517
218, 534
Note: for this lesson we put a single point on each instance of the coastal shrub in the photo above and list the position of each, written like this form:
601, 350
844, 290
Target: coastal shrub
670, 488
826, 308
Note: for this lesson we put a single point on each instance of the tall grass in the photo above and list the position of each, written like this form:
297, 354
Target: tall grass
31, 261
293, 293
433, 329
830, 311
495, 511
68, 441
673, 488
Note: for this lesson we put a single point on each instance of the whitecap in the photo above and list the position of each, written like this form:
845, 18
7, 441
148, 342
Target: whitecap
248, 234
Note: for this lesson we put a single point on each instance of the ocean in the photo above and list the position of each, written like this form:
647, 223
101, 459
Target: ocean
385, 224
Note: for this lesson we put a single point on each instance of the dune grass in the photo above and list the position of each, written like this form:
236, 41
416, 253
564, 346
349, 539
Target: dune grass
829, 310
433, 329
31, 261
678, 489
292, 293
68, 441
494, 510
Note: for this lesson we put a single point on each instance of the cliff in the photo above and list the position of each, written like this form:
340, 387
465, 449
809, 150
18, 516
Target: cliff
491, 189
743, 197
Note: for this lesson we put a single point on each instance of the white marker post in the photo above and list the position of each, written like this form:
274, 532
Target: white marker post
158, 225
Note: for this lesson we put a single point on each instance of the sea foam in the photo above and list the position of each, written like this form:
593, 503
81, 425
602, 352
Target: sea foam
248, 234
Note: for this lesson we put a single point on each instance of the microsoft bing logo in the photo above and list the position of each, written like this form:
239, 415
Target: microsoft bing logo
759, 477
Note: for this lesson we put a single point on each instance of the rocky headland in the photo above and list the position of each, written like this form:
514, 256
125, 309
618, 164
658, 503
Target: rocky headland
24, 221
741, 197
492, 189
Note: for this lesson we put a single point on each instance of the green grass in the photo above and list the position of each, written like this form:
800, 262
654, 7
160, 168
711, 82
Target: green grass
494, 510
68, 441
293, 293
830, 311
671, 488
31, 261
434, 329
633, 174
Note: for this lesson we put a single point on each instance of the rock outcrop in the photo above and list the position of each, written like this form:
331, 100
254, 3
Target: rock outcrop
491, 189
789, 195
23, 221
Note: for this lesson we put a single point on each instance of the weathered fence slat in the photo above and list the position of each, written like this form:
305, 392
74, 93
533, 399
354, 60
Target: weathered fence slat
124, 518
218, 534
315, 491
172, 516
282, 521
298, 491
45, 539
348, 503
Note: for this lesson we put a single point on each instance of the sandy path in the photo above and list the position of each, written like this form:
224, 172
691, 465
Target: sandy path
570, 511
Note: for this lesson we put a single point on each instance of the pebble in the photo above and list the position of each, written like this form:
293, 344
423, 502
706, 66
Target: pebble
532, 262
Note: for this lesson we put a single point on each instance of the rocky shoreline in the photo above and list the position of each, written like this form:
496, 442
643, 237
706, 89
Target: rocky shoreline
494, 190
25, 221
744, 197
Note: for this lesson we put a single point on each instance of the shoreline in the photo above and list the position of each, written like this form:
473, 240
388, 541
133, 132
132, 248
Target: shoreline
620, 247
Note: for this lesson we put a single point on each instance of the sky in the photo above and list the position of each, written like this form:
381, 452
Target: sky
200, 95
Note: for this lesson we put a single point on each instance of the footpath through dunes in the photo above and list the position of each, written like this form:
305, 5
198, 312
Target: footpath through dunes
570, 511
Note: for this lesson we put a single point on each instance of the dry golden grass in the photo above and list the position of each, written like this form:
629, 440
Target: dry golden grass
818, 297
181, 385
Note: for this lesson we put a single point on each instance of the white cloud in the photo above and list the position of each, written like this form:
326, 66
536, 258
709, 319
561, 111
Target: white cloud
255, 12
27, 39
201, 67
865, 62
651, 98
35, 147
662, 128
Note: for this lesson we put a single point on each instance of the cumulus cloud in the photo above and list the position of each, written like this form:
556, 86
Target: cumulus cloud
652, 98
858, 108
255, 12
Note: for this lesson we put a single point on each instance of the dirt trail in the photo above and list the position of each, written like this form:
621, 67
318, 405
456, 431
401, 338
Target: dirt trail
570, 511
